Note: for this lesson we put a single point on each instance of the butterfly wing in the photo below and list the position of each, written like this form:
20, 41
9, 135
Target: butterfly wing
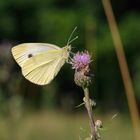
42, 68
25, 51
40, 62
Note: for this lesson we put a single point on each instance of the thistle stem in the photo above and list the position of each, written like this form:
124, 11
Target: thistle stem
90, 113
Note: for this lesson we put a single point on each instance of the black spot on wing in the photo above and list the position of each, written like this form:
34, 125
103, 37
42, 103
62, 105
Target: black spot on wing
30, 55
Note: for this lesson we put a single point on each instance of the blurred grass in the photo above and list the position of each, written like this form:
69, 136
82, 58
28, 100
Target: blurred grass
56, 125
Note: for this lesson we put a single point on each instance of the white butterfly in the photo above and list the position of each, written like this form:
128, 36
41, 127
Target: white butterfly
40, 62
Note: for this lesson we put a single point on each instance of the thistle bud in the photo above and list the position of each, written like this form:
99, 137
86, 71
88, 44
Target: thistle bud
98, 124
81, 79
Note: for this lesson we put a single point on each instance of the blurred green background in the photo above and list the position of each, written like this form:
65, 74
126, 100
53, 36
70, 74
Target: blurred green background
31, 112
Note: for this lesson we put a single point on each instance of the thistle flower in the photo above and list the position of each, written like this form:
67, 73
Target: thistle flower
80, 62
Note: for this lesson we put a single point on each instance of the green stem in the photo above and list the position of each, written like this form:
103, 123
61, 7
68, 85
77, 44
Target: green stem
90, 114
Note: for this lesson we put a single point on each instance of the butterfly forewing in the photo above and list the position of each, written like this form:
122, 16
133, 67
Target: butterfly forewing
25, 51
42, 68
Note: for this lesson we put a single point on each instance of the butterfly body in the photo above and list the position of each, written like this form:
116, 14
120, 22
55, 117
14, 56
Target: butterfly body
40, 62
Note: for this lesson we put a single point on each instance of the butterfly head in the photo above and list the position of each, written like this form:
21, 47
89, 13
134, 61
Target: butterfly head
66, 51
68, 48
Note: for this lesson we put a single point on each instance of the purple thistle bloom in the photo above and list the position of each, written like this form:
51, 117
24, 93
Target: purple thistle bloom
81, 60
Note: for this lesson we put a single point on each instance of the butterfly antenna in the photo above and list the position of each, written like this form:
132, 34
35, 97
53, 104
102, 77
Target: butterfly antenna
69, 40
72, 40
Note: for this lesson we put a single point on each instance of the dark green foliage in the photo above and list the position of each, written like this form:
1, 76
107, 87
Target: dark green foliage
52, 21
